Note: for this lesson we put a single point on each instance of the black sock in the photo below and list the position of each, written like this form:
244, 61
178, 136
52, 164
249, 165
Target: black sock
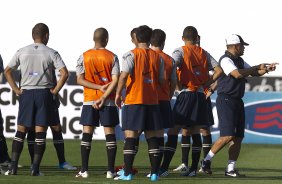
111, 147
136, 145
17, 148
39, 149
169, 151
129, 154
4, 156
207, 144
196, 151
185, 147
30, 144
154, 154
59, 145
161, 144
85, 148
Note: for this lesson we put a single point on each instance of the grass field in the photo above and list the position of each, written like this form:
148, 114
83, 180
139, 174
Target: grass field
260, 163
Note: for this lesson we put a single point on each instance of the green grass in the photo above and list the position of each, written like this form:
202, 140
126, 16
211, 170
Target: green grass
261, 164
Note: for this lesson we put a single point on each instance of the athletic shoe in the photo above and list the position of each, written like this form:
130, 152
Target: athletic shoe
123, 177
120, 172
10, 172
154, 177
67, 166
190, 173
201, 170
82, 174
163, 173
206, 166
181, 168
32, 173
148, 175
110, 174
233, 173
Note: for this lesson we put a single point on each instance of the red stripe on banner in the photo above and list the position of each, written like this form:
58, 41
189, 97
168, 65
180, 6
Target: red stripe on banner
268, 117
268, 124
269, 109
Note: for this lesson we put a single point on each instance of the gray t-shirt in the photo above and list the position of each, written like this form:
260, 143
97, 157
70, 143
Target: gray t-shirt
37, 64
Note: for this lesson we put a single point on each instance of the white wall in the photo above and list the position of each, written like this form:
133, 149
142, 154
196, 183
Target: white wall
72, 23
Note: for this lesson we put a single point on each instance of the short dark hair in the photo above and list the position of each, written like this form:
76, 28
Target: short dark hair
158, 37
39, 30
133, 31
143, 34
190, 33
101, 35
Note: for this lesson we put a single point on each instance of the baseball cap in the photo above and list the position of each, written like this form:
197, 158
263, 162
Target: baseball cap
235, 39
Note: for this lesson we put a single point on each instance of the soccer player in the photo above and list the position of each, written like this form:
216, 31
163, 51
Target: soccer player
4, 156
98, 71
190, 109
229, 104
142, 72
37, 93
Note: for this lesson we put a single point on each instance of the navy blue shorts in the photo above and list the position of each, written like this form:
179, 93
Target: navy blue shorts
190, 109
231, 116
1, 124
209, 113
38, 107
166, 114
141, 117
107, 116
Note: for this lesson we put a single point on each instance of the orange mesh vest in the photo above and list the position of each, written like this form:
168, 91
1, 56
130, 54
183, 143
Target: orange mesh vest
163, 91
98, 66
193, 72
142, 84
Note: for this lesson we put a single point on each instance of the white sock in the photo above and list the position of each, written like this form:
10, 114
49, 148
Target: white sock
209, 156
231, 165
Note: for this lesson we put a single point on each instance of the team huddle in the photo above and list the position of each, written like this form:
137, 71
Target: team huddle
142, 87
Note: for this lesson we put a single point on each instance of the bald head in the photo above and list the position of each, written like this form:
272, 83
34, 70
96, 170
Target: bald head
101, 36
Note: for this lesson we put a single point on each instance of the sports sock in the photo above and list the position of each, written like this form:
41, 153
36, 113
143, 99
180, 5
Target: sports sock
39, 149
169, 151
209, 156
111, 147
161, 145
207, 144
231, 165
17, 147
59, 145
185, 147
196, 151
154, 154
129, 154
30, 144
85, 148
4, 156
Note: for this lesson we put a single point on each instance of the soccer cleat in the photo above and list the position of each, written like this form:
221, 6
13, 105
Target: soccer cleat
120, 172
206, 166
181, 168
233, 173
190, 173
110, 174
10, 172
123, 177
32, 173
82, 174
154, 177
200, 170
148, 175
67, 166
163, 173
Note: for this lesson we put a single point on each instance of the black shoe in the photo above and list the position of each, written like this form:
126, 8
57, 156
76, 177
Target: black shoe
206, 166
190, 173
234, 173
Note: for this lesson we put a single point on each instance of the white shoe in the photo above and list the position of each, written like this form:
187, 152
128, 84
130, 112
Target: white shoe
82, 174
110, 174
67, 166
181, 168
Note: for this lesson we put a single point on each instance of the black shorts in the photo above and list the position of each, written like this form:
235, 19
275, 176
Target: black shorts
141, 117
166, 114
190, 109
38, 107
231, 116
1, 124
209, 113
107, 116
